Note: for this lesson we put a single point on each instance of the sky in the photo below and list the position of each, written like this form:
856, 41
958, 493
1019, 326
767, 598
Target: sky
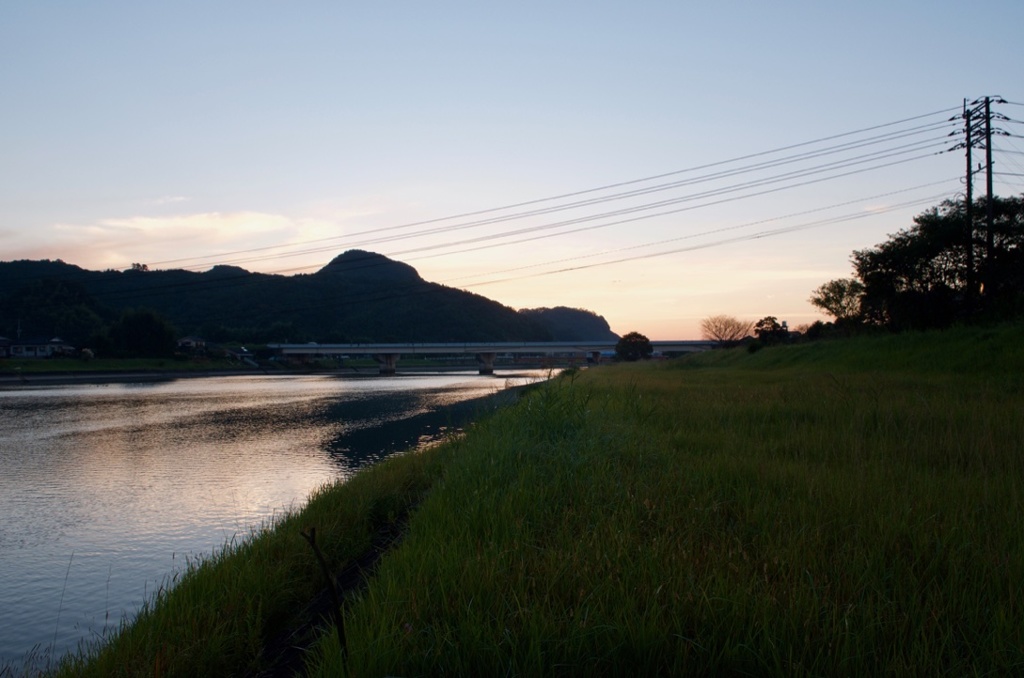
274, 136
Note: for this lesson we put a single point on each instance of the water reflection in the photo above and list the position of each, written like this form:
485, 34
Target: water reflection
113, 485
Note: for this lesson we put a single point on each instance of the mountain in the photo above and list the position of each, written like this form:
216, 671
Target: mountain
571, 324
357, 297
358, 266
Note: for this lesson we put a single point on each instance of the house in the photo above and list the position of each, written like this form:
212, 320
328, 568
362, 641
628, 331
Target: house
40, 348
192, 344
5, 347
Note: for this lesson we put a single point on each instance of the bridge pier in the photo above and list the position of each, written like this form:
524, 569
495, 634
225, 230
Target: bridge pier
486, 361
595, 357
388, 363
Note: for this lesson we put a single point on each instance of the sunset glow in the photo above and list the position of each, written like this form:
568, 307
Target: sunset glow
275, 139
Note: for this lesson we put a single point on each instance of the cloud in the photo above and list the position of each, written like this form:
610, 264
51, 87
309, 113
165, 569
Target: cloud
171, 200
199, 241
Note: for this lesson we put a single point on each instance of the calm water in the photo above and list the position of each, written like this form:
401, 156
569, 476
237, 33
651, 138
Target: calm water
106, 489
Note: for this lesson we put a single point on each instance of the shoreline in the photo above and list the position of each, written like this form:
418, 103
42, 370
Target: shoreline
411, 435
11, 381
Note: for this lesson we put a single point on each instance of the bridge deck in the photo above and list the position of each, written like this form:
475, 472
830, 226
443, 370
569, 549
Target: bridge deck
544, 347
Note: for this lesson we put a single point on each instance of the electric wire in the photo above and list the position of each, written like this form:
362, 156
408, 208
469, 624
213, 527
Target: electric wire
243, 280
724, 229
621, 221
590, 218
424, 288
796, 174
604, 187
224, 281
717, 243
650, 206
777, 178
379, 241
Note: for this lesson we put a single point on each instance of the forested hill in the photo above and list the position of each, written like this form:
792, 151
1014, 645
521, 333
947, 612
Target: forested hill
572, 324
358, 297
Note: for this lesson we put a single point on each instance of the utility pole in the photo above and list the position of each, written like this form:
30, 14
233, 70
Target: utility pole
989, 200
983, 107
978, 131
969, 205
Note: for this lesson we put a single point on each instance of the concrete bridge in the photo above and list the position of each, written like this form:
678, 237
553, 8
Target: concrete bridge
388, 354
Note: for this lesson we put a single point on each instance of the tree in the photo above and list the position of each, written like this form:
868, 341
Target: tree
55, 308
143, 334
839, 298
725, 329
633, 346
769, 331
920, 277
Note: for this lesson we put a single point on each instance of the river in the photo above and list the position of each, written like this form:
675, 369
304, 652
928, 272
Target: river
107, 489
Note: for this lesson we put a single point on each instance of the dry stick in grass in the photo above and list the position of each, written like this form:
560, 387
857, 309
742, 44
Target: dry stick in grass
310, 536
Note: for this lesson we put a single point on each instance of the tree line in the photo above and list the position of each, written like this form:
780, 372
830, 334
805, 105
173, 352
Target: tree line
359, 297
953, 266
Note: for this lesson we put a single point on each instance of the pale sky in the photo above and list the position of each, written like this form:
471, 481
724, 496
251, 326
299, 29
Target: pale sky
275, 136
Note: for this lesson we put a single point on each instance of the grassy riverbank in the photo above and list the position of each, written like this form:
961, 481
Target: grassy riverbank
830, 509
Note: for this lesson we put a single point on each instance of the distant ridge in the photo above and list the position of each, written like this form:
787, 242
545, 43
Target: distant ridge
572, 324
358, 296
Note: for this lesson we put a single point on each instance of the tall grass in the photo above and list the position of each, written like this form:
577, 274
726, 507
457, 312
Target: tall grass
791, 512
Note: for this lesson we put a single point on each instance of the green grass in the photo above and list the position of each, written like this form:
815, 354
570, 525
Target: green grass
842, 508
798, 511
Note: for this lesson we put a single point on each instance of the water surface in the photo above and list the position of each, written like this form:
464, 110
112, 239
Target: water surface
106, 489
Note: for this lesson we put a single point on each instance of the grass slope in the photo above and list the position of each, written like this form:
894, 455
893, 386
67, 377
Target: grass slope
830, 509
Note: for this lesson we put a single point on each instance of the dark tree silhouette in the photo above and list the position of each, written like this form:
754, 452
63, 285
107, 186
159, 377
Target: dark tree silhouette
769, 331
633, 346
839, 298
143, 334
920, 278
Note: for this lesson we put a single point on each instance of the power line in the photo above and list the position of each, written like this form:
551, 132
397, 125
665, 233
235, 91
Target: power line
586, 191
818, 169
729, 228
245, 279
722, 191
421, 288
755, 236
647, 216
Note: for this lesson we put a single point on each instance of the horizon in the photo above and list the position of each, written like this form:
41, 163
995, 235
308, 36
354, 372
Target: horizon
655, 165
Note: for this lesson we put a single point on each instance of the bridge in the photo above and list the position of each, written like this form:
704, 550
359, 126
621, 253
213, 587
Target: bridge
387, 355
